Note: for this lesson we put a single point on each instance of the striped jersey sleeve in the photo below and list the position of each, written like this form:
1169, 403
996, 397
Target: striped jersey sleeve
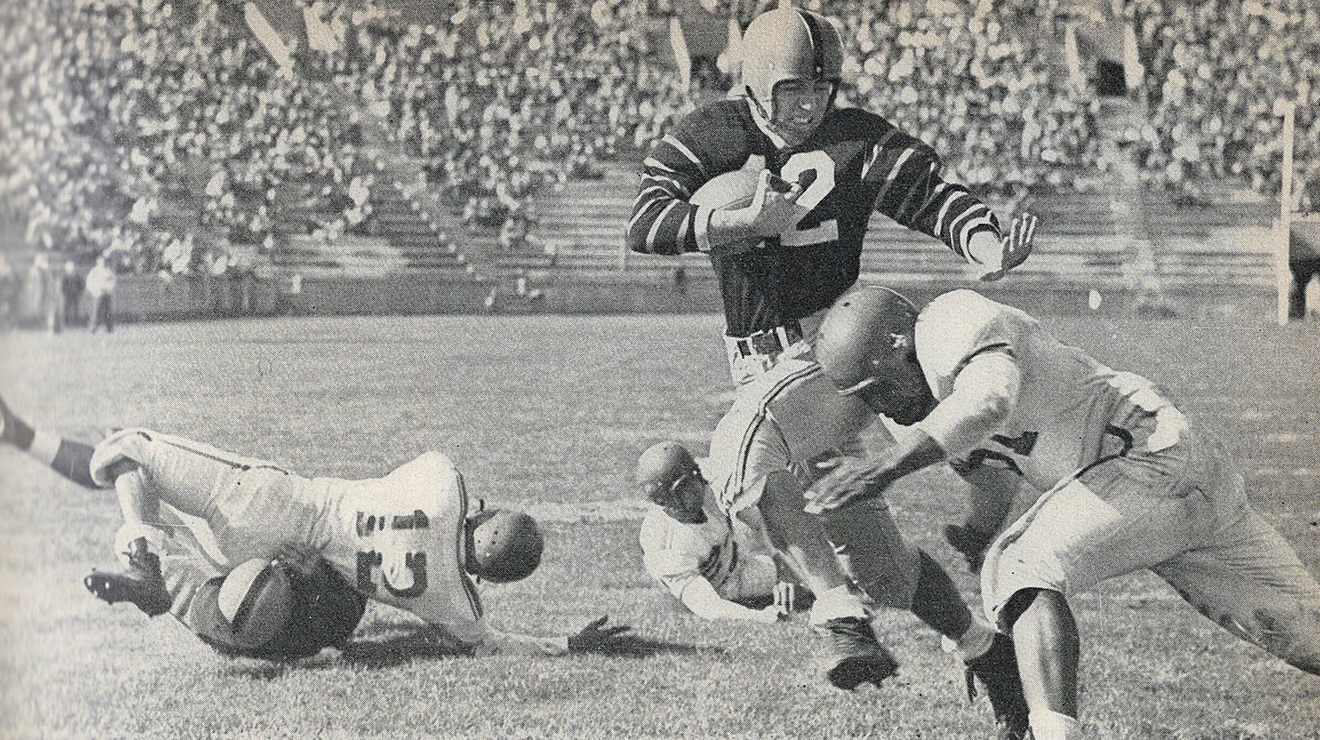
913, 193
662, 219
708, 142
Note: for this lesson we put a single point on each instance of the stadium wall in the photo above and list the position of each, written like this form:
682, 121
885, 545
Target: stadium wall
152, 298
1215, 301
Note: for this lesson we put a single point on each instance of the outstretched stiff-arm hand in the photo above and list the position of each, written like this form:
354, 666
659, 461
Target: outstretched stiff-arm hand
1012, 249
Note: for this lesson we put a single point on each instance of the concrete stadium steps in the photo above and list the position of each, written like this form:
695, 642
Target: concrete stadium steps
403, 238
1083, 238
362, 256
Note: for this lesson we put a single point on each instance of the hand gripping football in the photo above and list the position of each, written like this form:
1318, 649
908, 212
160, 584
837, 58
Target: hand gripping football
734, 190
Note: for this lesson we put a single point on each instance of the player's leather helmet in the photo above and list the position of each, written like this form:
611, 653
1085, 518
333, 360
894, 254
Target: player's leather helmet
867, 347
506, 546
789, 44
666, 474
256, 599
660, 467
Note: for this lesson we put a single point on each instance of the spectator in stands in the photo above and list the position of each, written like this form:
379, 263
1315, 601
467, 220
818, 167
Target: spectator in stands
101, 289
1213, 74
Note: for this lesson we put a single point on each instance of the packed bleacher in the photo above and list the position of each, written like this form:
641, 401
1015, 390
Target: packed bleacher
1214, 71
511, 98
165, 134
973, 80
118, 111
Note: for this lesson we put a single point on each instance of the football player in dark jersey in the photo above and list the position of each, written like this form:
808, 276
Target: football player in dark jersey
784, 258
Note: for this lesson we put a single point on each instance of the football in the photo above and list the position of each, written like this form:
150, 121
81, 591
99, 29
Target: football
728, 191
256, 598
733, 190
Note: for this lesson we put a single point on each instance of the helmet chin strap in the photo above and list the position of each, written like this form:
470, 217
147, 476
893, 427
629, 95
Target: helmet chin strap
763, 119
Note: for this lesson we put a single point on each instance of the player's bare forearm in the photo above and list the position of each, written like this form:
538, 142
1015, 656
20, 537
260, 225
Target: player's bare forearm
730, 227
856, 479
705, 602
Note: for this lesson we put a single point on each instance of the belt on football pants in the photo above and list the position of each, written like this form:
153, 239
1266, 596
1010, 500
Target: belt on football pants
769, 342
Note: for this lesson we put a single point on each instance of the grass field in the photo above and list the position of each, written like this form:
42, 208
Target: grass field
550, 413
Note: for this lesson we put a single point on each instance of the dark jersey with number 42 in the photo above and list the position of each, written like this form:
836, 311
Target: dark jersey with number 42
855, 162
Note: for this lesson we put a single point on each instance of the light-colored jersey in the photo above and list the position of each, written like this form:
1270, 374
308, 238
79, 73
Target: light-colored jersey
1069, 408
787, 419
398, 539
676, 553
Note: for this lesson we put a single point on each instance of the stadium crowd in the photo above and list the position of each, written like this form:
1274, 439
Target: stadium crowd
1214, 72
115, 116
116, 110
974, 81
510, 98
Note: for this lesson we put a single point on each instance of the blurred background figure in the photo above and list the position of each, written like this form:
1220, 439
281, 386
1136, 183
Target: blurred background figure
101, 289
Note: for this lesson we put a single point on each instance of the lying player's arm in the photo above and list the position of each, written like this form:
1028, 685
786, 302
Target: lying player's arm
595, 636
984, 395
701, 597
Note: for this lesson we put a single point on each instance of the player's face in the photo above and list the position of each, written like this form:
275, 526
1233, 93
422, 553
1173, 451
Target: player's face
900, 391
687, 495
799, 108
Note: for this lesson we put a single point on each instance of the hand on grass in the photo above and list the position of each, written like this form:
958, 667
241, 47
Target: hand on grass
595, 636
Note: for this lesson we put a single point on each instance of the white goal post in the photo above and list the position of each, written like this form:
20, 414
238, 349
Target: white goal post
1282, 276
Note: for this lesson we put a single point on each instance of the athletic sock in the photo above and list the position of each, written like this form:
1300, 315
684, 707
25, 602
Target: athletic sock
17, 432
1048, 725
71, 459
975, 641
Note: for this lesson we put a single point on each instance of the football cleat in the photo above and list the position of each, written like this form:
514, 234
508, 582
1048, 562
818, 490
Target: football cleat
998, 670
140, 584
969, 541
858, 656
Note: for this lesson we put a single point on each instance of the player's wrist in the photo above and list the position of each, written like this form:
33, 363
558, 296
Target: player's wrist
985, 250
735, 225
